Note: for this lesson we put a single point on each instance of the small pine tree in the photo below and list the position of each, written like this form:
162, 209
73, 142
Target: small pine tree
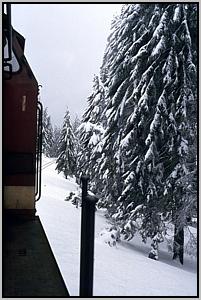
75, 124
47, 134
56, 139
75, 128
66, 161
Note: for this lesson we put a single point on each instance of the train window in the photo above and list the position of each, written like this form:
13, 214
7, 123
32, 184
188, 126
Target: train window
14, 62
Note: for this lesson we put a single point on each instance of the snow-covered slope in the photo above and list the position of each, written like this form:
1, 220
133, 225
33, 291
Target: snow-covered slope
122, 270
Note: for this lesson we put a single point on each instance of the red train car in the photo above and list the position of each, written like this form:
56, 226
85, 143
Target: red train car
20, 93
29, 266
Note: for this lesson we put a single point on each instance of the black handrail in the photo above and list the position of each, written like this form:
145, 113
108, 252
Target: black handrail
8, 32
7, 39
87, 240
39, 152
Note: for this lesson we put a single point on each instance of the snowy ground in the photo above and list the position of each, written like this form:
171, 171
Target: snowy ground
123, 270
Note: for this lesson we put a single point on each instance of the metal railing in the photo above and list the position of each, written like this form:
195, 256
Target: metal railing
39, 152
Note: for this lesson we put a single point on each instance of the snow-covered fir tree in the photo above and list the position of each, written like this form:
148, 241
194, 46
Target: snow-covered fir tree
165, 133
90, 135
66, 161
75, 125
147, 158
56, 140
47, 134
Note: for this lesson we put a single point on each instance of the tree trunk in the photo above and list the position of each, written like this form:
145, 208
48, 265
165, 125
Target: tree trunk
153, 254
178, 244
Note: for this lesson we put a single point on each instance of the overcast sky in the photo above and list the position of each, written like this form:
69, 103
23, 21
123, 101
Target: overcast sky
65, 44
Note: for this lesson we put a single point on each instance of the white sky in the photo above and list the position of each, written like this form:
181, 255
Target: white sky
65, 44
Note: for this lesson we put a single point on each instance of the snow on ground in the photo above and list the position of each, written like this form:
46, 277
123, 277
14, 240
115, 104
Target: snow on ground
122, 270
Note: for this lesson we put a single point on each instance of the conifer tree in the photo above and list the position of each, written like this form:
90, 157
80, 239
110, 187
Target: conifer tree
75, 125
66, 161
47, 134
56, 139
90, 135
149, 74
146, 159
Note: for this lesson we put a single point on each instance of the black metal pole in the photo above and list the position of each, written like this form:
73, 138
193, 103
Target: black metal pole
87, 241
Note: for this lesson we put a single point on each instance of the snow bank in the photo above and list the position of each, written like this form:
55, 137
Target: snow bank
123, 270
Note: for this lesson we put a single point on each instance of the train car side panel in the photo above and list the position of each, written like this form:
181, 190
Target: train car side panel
20, 131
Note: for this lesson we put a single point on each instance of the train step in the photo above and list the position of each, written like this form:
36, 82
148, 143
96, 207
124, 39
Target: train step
29, 266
